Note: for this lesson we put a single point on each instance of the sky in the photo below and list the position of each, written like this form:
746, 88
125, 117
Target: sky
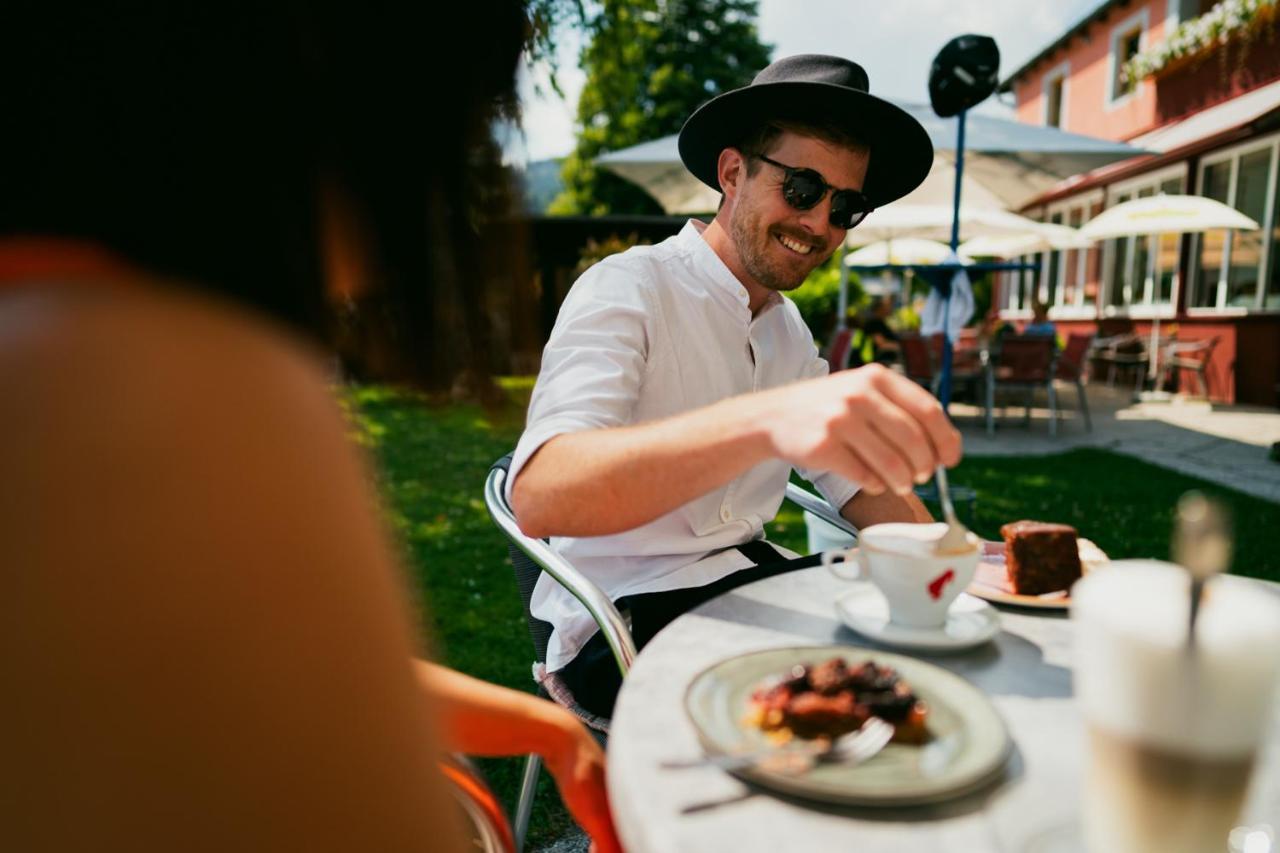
894, 40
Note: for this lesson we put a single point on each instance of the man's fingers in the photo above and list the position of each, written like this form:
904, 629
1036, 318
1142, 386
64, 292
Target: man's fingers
877, 453
927, 412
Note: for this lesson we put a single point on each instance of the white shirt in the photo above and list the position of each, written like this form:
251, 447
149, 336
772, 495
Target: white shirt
643, 335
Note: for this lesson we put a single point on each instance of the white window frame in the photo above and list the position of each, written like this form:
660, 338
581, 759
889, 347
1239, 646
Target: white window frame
1062, 72
1138, 20
1234, 154
1144, 308
1077, 310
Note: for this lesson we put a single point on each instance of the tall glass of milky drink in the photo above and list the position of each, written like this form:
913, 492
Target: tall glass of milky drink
1173, 727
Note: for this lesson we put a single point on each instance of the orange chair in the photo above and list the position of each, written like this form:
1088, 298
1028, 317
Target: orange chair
1071, 368
1025, 362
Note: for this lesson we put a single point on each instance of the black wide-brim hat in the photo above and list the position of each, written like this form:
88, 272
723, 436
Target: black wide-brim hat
813, 88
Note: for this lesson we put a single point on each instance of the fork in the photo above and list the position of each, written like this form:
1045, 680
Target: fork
849, 749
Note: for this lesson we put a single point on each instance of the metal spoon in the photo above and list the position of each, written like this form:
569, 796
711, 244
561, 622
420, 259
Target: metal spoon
956, 539
1202, 545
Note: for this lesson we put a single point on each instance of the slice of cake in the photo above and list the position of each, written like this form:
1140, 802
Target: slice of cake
1040, 556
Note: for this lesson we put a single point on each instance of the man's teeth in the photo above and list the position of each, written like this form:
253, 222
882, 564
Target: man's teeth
801, 248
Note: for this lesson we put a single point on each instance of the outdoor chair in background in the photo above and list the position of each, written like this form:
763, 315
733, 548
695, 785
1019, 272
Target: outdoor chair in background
1072, 363
1026, 363
1187, 355
840, 350
531, 557
1122, 353
918, 362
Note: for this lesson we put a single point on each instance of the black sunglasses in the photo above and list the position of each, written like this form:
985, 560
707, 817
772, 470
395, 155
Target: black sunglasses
804, 188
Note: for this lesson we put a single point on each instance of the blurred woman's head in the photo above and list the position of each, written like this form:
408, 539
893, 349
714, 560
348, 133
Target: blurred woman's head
218, 143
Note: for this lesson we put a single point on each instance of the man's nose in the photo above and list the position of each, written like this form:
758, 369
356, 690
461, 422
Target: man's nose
817, 220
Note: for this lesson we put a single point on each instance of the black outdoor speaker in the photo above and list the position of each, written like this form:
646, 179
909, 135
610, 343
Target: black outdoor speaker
964, 73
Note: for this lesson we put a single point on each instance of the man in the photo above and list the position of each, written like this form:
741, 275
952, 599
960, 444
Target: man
670, 408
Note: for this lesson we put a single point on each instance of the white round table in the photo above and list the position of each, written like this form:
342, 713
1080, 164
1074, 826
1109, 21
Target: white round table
1025, 671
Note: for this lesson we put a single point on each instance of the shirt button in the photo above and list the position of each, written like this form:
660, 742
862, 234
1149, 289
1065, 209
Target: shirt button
725, 515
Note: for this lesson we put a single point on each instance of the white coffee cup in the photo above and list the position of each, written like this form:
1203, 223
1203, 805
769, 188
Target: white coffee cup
900, 559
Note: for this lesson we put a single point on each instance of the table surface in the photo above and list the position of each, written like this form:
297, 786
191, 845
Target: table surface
1025, 671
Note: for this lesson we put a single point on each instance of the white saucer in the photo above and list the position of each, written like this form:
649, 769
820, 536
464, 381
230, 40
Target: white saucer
970, 621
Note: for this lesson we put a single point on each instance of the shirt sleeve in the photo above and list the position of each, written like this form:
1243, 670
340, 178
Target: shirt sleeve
836, 489
595, 360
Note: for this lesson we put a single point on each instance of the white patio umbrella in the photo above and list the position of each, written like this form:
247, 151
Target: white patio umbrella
1164, 214
909, 250
1047, 237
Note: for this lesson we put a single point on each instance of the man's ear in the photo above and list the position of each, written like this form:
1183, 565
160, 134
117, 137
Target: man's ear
731, 169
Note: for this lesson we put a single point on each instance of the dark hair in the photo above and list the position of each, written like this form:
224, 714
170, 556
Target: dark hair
197, 140
763, 138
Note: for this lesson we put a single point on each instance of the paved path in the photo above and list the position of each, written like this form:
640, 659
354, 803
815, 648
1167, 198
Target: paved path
1223, 444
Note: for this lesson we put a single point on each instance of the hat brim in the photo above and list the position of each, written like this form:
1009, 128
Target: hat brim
901, 151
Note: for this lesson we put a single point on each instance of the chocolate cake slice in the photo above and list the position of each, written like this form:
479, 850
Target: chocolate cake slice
1040, 556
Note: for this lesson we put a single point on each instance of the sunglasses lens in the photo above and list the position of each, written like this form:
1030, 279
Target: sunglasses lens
848, 209
803, 189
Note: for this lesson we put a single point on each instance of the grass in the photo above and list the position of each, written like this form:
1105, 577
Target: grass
432, 461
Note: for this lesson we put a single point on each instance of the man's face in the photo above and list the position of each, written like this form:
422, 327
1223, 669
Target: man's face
778, 245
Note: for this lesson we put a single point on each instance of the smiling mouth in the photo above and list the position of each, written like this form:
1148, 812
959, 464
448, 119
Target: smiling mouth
794, 245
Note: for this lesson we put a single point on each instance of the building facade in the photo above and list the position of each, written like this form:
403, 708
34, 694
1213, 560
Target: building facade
1197, 85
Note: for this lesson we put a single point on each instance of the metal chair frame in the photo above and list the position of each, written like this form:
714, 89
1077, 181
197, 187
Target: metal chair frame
607, 618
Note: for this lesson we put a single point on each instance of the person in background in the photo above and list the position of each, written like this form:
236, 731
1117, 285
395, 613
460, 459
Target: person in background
883, 338
1040, 323
206, 642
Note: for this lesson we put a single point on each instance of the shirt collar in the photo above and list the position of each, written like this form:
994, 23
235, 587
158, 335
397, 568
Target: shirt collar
717, 271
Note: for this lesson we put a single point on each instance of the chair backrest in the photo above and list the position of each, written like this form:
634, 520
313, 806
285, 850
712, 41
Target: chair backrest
1025, 358
530, 557
526, 571
1071, 361
838, 352
1199, 351
489, 830
916, 359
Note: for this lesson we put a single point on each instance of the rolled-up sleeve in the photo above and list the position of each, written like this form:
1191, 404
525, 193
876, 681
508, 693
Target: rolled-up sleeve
594, 362
836, 489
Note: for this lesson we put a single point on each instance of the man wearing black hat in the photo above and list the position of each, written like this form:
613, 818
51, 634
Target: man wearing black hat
679, 388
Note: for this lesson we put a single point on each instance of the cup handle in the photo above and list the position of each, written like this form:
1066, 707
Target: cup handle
851, 557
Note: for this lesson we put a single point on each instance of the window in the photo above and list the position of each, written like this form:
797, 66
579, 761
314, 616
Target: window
1054, 93
1053, 106
1238, 269
1132, 280
1127, 42
1063, 272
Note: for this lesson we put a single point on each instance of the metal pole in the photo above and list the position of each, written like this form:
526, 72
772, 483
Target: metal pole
944, 386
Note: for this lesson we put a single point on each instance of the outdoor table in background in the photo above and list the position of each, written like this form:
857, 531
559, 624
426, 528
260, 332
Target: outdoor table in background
1025, 671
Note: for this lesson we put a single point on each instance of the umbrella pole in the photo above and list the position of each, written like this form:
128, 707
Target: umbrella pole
944, 383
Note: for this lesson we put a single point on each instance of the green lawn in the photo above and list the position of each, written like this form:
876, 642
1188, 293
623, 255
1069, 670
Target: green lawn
432, 463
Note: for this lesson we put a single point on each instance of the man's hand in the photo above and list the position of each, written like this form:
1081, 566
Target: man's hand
869, 425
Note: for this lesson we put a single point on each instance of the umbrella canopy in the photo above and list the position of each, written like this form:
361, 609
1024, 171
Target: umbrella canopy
1047, 237
907, 251
933, 222
1166, 214
1006, 163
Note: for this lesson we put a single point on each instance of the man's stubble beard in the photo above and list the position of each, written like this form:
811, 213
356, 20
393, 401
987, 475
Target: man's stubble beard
752, 240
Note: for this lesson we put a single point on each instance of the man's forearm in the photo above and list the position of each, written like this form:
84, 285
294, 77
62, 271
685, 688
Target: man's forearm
868, 425
604, 481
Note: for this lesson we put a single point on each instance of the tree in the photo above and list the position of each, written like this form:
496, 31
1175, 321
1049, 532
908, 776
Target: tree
649, 64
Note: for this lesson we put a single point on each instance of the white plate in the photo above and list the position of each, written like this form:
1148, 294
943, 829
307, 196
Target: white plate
970, 621
969, 747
